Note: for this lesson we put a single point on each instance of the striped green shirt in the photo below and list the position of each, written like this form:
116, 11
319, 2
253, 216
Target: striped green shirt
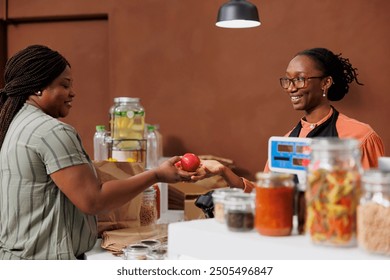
37, 221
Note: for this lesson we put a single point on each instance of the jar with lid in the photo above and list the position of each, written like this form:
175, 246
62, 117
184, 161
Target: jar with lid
159, 253
127, 123
219, 196
373, 214
333, 191
152, 243
274, 203
127, 118
136, 252
148, 211
239, 211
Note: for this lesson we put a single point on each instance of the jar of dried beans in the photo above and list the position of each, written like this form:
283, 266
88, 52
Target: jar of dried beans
274, 203
239, 211
333, 191
373, 215
148, 212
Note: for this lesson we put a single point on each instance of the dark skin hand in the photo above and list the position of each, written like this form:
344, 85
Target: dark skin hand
209, 168
85, 191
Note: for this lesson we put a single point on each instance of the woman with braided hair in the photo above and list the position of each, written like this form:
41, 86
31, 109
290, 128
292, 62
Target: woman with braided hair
314, 77
49, 191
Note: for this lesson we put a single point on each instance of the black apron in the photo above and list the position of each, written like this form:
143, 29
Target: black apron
326, 129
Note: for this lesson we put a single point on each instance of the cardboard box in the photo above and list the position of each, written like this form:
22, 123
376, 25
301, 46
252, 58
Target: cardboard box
182, 196
179, 192
191, 211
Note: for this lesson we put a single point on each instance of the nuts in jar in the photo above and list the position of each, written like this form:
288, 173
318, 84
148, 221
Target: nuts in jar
239, 210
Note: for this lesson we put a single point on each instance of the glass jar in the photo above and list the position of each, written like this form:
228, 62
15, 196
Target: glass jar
373, 214
127, 118
219, 196
127, 123
152, 243
239, 211
333, 191
274, 203
136, 252
159, 253
148, 212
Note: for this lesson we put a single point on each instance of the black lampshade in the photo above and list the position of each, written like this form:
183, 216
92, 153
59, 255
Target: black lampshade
238, 14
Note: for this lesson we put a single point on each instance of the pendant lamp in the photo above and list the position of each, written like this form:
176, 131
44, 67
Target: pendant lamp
238, 14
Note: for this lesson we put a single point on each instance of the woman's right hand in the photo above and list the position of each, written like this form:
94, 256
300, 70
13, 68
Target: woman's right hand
168, 172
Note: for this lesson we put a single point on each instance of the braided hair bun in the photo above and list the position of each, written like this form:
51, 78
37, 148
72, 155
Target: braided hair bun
336, 66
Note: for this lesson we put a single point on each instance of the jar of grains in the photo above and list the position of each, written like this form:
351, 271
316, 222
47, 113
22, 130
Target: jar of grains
333, 191
148, 211
219, 196
274, 203
239, 211
373, 214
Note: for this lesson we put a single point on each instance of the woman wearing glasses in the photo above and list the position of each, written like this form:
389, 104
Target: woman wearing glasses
314, 77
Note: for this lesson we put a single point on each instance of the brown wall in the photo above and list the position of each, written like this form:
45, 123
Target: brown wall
212, 90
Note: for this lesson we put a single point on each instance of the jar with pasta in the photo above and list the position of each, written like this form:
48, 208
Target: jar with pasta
333, 191
373, 215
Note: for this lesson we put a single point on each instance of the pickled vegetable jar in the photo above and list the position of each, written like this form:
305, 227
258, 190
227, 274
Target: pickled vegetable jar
333, 191
274, 203
373, 215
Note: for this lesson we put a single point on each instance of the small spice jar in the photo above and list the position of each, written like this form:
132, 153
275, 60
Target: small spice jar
219, 196
274, 203
239, 211
152, 243
159, 253
148, 212
136, 252
373, 212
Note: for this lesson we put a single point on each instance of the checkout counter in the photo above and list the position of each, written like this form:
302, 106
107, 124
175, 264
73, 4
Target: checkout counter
207, 239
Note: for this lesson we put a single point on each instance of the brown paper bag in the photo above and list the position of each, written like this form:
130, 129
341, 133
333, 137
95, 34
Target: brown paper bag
128, 215
115, 240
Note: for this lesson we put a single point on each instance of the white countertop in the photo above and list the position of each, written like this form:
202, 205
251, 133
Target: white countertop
208, 239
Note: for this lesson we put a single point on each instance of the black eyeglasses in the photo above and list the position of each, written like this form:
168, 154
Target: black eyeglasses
299, 82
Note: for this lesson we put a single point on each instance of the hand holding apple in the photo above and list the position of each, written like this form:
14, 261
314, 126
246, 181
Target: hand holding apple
189, 162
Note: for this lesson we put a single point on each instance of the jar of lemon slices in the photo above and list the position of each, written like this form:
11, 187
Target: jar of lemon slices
127, 123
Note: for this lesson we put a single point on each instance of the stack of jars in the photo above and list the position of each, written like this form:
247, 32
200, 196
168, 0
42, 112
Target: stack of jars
148, 249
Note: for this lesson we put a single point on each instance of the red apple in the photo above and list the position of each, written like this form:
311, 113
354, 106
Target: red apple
189, 162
